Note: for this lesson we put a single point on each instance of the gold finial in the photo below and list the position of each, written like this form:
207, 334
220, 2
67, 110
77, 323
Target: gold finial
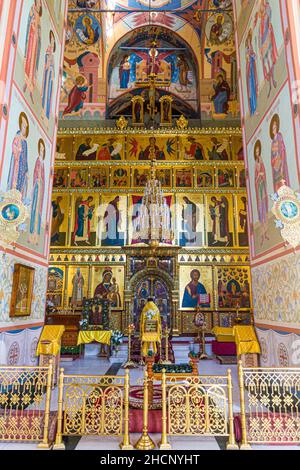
182, 123
122, 123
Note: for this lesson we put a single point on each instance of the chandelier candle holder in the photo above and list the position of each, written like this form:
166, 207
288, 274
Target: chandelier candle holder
153, 224
129, 364
167, 334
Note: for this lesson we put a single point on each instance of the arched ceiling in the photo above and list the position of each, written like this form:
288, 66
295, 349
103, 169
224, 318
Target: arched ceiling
111, 22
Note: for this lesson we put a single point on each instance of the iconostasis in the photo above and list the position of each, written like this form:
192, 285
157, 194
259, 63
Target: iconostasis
99, 182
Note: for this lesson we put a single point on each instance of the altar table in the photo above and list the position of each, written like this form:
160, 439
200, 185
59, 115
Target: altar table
96, 336
88, 336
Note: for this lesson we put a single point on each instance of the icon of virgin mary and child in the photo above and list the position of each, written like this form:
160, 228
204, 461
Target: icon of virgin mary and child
109, 289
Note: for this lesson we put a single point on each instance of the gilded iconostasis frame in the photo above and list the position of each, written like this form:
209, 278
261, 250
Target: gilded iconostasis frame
189, 172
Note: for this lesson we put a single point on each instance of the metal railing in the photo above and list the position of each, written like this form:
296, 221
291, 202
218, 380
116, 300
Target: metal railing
197, 406
25, 396
93, 406
270, 405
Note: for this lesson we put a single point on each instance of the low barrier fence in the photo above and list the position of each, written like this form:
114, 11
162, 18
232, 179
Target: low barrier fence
93, 406
197, 406
25, 396
270, 406
191, 406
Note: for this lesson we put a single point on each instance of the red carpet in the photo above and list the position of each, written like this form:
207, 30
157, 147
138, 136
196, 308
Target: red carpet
136, 421
136, 398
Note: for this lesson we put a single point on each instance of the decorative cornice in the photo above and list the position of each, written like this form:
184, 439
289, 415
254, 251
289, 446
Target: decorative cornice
79, 131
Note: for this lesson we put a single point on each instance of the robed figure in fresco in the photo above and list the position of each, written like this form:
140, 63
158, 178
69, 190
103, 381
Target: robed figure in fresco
38, 193
278, 155
57, 220
251, 74
83, 216
77, 291
221, 96
195, 293
190, 217
124, 72
77, 96
112, 222
220, 218
48, 78
261, 191
33, 47
18, 171
267, 43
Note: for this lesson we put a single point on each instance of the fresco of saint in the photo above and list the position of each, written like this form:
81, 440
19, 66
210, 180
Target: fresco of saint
278, 155
216, 31
38, 194
262, 199
124, 72
48, 78
267, 43
251, 74
183, 68
221, 96
18, 171
33, 47
88, 29
76, 96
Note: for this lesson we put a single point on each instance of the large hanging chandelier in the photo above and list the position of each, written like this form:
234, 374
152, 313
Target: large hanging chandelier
153, 224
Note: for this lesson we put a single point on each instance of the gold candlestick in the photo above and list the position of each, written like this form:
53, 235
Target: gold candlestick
145, 442
167, 333
142, 362
129, 364
203, 355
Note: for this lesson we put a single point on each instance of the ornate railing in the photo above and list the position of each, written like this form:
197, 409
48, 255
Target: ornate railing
25, 396
93, 406
197, 406
270, 405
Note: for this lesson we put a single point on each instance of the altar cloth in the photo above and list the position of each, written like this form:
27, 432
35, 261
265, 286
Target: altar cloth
223, 335
246, 340
87, 337
50, 340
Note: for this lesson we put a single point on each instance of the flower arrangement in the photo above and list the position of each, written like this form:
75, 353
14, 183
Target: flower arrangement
116, 339
84, 324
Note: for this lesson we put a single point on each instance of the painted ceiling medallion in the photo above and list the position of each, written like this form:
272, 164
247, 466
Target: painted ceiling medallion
13, 215
287, 212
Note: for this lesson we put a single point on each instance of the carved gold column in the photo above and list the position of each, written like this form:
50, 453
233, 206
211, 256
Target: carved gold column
245, 445
45, 443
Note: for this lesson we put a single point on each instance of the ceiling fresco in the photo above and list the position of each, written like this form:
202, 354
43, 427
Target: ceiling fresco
107, 54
